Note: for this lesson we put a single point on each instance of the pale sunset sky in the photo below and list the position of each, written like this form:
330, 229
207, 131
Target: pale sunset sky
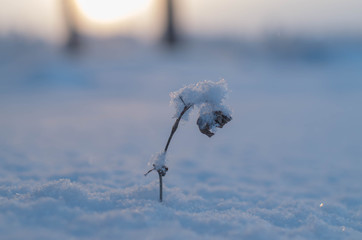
43, 18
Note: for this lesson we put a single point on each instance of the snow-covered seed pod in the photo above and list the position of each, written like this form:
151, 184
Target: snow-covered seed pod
207, 122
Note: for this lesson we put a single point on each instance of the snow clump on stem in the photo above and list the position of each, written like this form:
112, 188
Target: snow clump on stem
158, 161
209, 97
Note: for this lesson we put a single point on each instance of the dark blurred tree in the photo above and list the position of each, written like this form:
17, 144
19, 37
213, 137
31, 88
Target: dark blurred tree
170, 35
70, 19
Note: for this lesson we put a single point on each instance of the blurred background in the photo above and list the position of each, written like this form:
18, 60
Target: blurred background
54, 21
89, 79
298, 30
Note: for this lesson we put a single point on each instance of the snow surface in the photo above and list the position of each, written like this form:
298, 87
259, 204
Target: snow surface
77, 133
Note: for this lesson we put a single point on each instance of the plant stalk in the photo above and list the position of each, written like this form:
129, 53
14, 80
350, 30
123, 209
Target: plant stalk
175, 125
160, 177
174, 128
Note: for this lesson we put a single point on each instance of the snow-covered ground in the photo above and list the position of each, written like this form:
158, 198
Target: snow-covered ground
77, 132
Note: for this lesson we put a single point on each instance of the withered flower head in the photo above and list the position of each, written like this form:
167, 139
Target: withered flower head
208, 121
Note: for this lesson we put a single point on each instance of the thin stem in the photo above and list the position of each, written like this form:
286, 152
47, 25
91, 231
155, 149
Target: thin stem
149, 171
175, 125
174, 128
160, 177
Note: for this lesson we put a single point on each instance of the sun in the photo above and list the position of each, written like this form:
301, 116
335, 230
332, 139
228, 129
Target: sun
110, 11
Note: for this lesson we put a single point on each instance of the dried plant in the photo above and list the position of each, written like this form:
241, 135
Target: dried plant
209, 97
